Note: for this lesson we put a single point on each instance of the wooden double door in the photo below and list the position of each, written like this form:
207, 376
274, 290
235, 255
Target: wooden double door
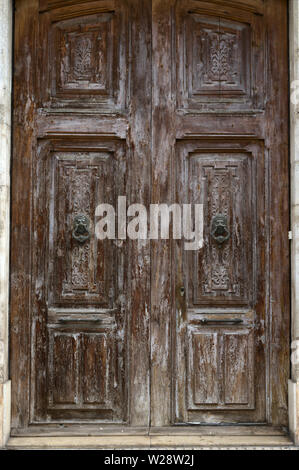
159, 101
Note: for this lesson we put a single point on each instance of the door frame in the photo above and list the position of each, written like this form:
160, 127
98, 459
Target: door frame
6, 47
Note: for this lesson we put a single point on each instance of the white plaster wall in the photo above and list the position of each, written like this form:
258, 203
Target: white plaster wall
5, 149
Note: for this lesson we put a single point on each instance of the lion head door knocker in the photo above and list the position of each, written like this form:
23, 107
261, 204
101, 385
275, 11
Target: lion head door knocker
219, 229
81, 231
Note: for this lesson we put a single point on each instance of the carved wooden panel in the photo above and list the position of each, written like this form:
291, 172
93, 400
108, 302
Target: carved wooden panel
84, 59
81, 272
84, 54
221, 369
224, 272
218, 55
224, 181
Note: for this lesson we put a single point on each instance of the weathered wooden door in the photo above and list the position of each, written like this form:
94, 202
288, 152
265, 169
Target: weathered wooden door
80, 308
229, 152
160, 101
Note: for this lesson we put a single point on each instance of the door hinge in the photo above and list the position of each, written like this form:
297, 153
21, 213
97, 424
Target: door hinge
290, 235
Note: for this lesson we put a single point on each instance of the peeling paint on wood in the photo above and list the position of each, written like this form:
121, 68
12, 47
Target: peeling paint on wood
163, 102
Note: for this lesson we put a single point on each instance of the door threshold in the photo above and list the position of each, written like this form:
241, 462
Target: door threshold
121, 437
151, 442
77, 430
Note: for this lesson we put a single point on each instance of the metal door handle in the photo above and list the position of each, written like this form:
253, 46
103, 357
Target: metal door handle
219, 228
77, 320
224, 322
81, 232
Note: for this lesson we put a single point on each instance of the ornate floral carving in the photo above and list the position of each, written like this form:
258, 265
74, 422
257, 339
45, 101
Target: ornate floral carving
219, 265
80, 266
220, 277
80, 192
220, 55
81, 270
82, 57
80, 257
221, 63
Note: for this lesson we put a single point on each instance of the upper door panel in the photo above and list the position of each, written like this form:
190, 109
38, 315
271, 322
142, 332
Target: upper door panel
220, 57
83, 55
